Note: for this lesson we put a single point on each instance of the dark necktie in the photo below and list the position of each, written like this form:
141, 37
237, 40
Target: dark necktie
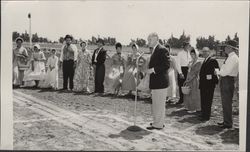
225, 60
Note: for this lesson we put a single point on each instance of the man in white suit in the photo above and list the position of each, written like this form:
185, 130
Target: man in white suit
158, 83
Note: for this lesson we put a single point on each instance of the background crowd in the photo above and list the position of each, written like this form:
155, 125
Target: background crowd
159, 74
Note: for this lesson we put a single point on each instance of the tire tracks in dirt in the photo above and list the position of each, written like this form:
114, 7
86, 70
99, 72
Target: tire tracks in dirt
100, 126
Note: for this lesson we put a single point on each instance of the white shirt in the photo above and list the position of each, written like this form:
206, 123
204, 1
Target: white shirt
96, 54
231, 66
182, 60
154, 48
74, 48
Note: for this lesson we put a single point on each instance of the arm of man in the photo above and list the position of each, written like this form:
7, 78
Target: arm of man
75, 52
178, 64
228, 67
61, 57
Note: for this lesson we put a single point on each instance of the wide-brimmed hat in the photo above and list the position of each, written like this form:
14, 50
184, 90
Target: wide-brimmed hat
230, 43
68, 36
38, 46
19, 38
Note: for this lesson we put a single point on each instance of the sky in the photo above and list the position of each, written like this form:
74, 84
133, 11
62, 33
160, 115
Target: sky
127, 20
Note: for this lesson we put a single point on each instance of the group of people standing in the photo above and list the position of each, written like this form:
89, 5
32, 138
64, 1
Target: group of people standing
159, 71
202, 78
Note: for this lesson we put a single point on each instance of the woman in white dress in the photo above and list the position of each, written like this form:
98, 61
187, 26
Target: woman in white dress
114, 79
37, 67
51, 78
171, 90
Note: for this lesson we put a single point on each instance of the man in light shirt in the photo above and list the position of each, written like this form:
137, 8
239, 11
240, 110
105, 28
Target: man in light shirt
182, 61
228, 72
68, 62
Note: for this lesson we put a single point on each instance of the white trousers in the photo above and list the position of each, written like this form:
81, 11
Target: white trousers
158, 107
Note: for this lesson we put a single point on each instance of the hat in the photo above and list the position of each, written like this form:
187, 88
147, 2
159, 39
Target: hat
83, 42
100, 41
68, 36
37, 45
19, 38
230, 43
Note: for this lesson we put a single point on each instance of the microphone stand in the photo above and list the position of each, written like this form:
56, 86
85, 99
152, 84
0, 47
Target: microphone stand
136, 128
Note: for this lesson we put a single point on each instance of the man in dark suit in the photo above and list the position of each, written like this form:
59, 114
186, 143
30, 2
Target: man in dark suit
98, 60
208, 81
158, 82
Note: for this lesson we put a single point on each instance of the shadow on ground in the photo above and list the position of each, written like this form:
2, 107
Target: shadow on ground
230, 136
191, 120
209, 130
179, 113
130, 135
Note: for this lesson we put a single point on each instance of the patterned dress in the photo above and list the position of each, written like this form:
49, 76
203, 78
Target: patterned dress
17, 60
192, 100
114, 78
82, 71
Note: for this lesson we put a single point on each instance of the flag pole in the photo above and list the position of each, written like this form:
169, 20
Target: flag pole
29, 16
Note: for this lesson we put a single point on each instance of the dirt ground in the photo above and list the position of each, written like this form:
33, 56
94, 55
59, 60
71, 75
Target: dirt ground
54, 120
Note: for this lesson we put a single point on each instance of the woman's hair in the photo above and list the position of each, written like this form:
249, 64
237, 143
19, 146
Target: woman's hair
118, 45
82, 43
194, 51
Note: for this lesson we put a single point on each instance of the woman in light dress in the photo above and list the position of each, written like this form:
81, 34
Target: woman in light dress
19, 63
171, 90
192, 100
83, 68
51, 78
129, 81
36, 72
114, 79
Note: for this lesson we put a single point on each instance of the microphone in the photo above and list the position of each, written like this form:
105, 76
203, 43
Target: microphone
139, 57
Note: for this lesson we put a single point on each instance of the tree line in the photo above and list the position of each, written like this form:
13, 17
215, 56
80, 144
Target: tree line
174, 42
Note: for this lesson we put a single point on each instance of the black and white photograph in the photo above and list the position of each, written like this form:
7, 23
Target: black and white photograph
124, 75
